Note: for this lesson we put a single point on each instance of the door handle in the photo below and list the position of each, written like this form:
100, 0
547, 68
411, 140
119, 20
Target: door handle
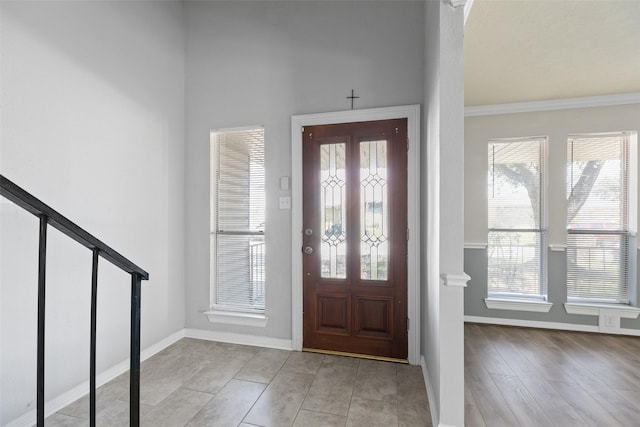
308, 250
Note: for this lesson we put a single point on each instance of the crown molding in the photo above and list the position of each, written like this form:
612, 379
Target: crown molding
553, 104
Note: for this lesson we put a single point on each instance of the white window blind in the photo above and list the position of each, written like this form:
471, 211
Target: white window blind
516, 238
598, 217
238, 220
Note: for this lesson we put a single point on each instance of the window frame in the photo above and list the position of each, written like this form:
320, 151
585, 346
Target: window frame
221, 313
628, 236
513, 298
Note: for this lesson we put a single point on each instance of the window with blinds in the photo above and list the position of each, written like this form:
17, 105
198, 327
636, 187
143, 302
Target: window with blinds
598, 218
516, 239
238, 220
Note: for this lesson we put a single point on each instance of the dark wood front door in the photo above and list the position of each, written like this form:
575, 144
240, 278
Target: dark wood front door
355, 238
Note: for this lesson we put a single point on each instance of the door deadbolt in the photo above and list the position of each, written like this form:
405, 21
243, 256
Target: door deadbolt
308, 232
308, 250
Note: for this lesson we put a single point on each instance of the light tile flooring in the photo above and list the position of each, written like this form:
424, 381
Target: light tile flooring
203, 383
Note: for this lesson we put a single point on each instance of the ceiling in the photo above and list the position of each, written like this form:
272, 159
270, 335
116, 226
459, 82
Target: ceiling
530, 50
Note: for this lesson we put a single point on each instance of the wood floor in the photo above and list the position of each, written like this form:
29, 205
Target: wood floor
534, 377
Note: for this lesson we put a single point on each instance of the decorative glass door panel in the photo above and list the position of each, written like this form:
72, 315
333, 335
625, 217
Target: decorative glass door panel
333, 211
374, 245
355, 221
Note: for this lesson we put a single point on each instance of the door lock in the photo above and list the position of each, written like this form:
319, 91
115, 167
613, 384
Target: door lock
308, 250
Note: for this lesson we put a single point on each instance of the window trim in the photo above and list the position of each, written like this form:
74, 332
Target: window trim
579, 303
220, 313
510, 299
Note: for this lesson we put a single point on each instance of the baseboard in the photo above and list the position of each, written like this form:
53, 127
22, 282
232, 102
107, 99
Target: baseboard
433, 408
545, 325
234, 338
59, 402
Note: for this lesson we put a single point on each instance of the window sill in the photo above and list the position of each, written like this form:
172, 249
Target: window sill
475, 246
237, 318
518, 304
594, 309
609, 315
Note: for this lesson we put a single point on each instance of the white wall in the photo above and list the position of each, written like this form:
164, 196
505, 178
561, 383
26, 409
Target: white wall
443, 185
93, 119
93, 124
260, 63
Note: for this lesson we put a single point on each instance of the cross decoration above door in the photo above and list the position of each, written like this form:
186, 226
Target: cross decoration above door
352, 97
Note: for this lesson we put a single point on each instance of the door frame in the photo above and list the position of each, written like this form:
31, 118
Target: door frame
412, 114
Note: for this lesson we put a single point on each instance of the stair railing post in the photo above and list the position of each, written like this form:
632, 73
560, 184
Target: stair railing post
92, 351
134, 380
50, 217
42, 266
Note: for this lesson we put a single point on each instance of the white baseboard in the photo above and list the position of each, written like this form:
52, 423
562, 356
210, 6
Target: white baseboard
531, 323
59, 402
545, 325
433, 408
234, 338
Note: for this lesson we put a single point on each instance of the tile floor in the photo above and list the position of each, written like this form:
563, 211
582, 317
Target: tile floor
203, 383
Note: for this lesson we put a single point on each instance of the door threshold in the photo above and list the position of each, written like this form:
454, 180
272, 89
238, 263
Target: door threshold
357, 355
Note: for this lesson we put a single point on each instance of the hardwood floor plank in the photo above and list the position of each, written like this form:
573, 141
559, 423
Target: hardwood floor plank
589, 408
491, 359
520, 401
622, 372
602, 362
533, 377
550, 364
598, 377
485, 392
633, 397
554, 405
619, 407
627, 348
472, 415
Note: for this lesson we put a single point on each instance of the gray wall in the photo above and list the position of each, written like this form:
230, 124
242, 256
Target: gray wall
259, 63
93, 124
557, 126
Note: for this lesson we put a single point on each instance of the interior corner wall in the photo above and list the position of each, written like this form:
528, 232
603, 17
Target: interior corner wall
259, 63
92, 124
430, 187
557, 126
443, 341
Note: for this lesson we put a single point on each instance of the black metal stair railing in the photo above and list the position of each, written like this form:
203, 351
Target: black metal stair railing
50, 217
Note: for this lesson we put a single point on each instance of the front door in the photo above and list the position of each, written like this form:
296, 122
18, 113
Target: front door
355, 238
